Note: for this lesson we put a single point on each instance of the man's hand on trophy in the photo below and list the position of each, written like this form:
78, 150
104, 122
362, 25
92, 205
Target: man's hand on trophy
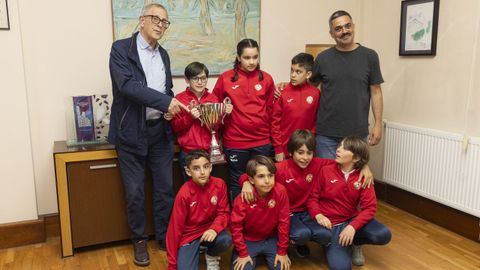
195, 113
168, 116
228, 108
175, 106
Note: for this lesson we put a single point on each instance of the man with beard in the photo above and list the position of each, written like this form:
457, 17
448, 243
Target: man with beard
349, 77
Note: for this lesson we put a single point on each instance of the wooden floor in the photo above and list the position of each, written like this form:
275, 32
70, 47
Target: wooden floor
416, 244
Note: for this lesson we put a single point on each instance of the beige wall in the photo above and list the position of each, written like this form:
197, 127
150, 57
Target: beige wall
441, 92
17, 189
63, 50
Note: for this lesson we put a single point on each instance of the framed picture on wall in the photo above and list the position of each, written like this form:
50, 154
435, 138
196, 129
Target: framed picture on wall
418, 27
206, 31
4, 21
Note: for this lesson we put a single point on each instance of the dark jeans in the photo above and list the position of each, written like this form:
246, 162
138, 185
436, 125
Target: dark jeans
304, 229
159, 159
267, 247
237, 164
188, 254
338, 257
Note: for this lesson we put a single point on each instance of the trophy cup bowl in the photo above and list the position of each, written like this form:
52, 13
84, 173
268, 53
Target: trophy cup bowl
211, 115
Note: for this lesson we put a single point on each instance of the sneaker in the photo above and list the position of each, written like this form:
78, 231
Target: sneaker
140, 252
162, 245
213, 262
357, 256
302, 251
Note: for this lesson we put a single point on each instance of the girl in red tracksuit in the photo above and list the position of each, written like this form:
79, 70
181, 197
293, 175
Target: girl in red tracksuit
190, 132
247, 130
334, 202
261, 227
297, 107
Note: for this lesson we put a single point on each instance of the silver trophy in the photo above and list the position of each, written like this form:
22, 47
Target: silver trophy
212, 115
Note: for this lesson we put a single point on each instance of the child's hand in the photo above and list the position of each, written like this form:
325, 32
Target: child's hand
247, 192
279, 157
279, 89
367, 176
228, 108
324, 221
208, 236
195, 113
240, 263
346, 236
284, 262
168, 116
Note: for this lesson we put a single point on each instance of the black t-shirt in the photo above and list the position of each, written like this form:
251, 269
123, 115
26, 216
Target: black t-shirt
345, 99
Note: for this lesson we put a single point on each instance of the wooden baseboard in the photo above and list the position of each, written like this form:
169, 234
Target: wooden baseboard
439, 214
52, 225
22, 233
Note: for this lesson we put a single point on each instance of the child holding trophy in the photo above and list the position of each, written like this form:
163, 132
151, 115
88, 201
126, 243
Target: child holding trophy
191, 132
247, 129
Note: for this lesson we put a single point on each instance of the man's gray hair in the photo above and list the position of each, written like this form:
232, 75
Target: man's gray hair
146, 8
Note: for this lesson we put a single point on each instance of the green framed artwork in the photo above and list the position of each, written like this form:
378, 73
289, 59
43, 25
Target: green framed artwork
201, 30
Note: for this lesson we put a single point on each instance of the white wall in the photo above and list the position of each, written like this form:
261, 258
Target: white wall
17, 189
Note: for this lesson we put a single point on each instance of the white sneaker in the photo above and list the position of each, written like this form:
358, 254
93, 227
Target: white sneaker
213, 262
357, 256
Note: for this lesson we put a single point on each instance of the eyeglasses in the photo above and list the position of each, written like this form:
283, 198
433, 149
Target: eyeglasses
156, 20
339, 28
199, 79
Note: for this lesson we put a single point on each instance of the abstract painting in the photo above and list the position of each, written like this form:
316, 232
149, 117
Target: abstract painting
206, 31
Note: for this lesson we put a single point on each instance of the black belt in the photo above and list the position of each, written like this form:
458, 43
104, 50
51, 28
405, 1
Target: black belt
153, 122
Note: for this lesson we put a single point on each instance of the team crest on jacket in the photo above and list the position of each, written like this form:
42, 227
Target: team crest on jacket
357, 185
258, 87
272, 203
309, 177
309, 99
214, 200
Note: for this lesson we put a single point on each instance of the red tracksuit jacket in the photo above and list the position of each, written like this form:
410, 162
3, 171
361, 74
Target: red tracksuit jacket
248, 125
295, 109
196, 209
338, 199
261, 220
191, 134
297, 181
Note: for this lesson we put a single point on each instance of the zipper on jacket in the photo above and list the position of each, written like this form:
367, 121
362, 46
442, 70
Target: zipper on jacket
123, 116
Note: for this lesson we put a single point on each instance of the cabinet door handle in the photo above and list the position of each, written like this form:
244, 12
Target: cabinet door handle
104, 166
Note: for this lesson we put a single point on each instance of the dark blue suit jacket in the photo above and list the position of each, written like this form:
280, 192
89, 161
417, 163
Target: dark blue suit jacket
131, 96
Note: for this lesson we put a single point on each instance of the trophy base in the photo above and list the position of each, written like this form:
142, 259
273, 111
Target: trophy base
218, 159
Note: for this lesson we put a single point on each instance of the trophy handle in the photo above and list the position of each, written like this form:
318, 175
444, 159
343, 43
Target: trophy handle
194, 104
226, 101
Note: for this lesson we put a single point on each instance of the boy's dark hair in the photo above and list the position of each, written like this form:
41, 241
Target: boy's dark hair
304, 60
299, 138
245, 43
336, 14
195, 68
359, 148
196, 154
256, 161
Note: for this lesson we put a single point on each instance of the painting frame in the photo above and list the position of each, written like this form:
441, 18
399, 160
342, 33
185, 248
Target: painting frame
4, 18
186, 40
419, 27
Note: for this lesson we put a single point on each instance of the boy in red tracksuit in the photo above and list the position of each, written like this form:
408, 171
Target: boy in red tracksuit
297, 107
261, 227
297, 175
190, 132
247, 131
199, 217
334, 202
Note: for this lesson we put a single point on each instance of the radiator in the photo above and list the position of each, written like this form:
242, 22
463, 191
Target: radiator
434, 164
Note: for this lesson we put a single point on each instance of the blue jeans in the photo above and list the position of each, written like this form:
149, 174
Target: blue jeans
132, 167
338, 257
267, 247
237, 164
327, 146
304, 229
188, 254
